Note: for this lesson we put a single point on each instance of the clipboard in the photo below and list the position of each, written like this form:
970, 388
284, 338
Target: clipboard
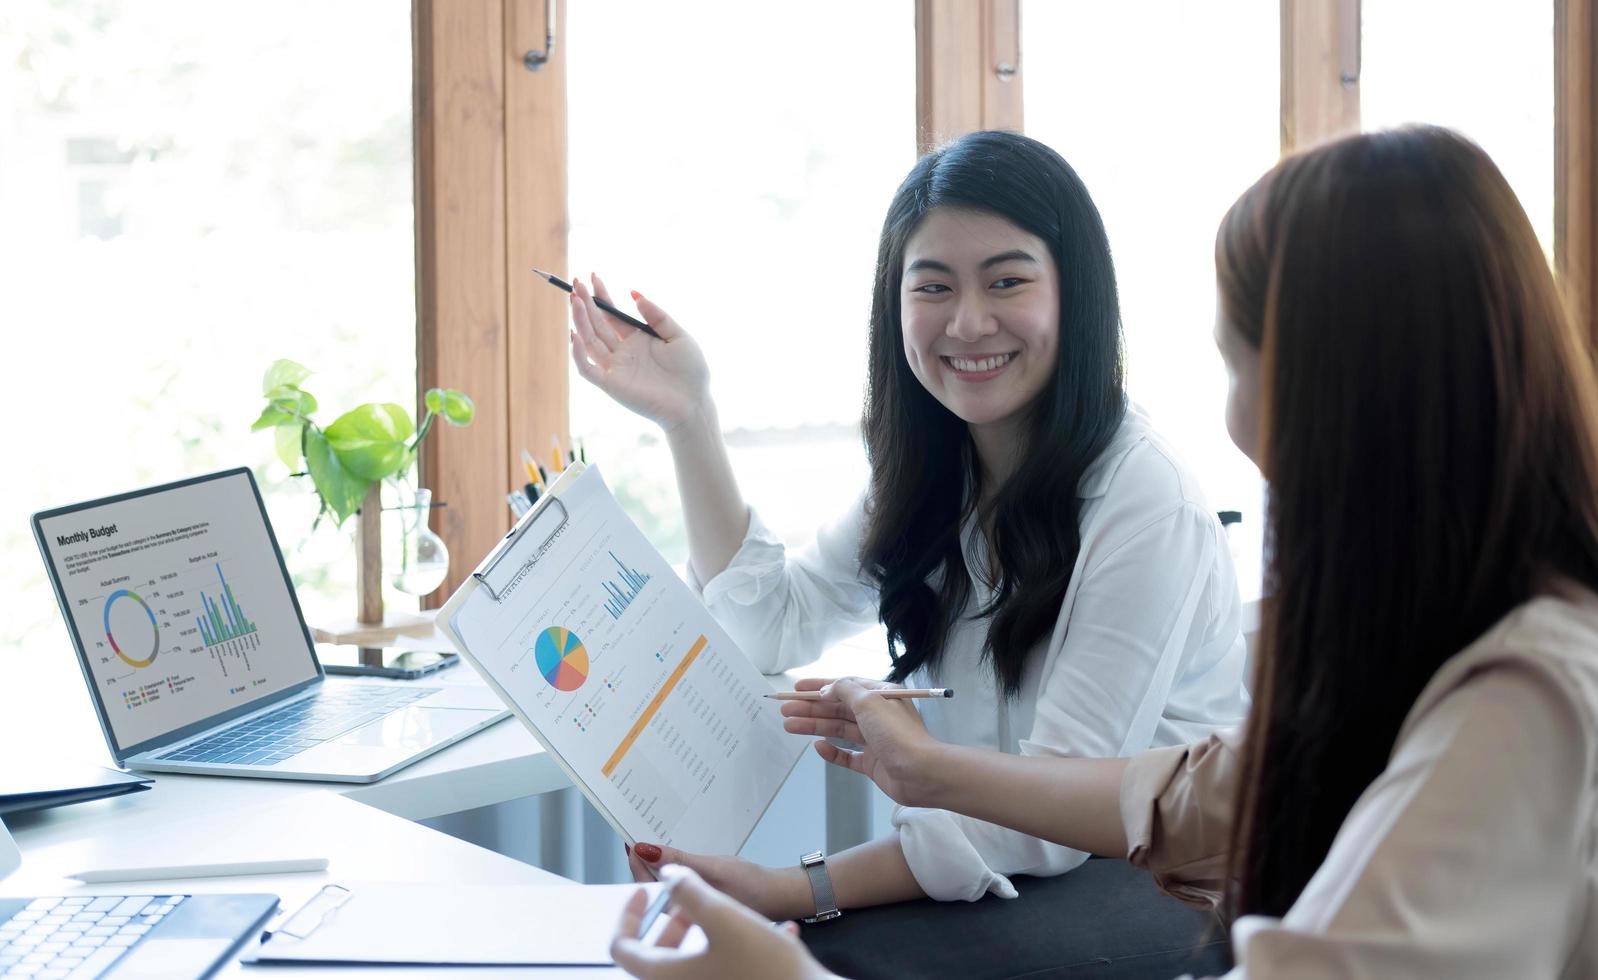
394, 924
495, 575
613, 781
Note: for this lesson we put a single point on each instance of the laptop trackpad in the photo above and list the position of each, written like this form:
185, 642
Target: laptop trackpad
173, 957
412, 728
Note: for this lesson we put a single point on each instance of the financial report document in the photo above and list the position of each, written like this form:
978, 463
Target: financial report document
620, 671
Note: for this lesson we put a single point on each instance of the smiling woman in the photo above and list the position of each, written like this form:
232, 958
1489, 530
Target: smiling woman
1025, 537
979, 304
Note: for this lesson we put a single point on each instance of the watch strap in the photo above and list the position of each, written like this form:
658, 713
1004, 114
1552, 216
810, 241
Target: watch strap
815, 865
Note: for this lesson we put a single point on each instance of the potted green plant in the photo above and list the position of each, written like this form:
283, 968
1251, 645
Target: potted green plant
367, 446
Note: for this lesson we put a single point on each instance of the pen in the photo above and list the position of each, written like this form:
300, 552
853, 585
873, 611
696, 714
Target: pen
892, 694
618, 314
554, 442
531, 490
530, 466
655, 908
669, 876
224, 870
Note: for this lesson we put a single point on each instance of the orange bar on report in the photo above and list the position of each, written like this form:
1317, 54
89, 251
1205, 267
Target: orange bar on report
654, 705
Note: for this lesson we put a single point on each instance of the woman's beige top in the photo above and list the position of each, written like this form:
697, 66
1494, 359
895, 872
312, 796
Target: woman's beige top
1471, 855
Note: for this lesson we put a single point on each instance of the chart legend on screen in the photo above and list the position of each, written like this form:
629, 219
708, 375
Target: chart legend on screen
622, 596
562, 658
223, 619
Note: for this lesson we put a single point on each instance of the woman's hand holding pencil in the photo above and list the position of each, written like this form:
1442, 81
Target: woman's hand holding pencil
665, 380
896, 750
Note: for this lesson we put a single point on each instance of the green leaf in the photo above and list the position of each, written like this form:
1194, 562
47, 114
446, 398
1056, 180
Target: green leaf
289, 399
270, 416
288, 444
341, 490
281, 373
458, 408
434, 399
370, 439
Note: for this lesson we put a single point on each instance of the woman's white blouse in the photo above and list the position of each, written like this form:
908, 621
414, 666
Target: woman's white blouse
1147, 650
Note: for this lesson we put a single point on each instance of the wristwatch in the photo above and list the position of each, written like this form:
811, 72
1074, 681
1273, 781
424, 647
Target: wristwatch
815, 865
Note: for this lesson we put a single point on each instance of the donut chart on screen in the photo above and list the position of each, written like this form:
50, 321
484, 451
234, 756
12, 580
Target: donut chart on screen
562, 658
130, 656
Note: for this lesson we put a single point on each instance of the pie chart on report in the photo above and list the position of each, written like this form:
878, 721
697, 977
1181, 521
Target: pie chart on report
562, 658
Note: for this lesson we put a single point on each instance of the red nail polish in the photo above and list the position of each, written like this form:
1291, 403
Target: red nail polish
636, 296
649, 852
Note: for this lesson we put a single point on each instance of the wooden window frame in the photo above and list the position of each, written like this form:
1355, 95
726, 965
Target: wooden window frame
1320, 71
968, 68
490, 205
491, 185
1321, 101
1576, 158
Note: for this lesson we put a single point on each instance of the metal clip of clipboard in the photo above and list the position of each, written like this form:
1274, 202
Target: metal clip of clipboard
310, 916
493, 562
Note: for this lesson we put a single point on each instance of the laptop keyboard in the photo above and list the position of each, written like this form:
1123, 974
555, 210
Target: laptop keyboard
295, 727
77, 937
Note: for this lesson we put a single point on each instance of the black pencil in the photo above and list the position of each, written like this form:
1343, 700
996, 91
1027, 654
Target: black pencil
632, 320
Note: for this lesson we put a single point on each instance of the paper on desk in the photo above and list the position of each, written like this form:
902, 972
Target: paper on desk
623, 675
457, 925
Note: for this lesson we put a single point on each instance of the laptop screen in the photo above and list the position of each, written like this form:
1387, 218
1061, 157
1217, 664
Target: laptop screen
179, 604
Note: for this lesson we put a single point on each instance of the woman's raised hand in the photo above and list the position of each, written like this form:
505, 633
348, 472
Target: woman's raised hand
897, 752
665, 380
739, 942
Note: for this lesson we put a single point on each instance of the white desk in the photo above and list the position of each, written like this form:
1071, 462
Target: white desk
206, 819
199, 818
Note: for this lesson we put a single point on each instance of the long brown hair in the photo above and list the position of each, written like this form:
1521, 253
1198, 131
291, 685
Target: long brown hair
1428, 434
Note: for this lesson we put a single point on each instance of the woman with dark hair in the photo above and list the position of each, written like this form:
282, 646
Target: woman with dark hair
1025, 538
1414, 792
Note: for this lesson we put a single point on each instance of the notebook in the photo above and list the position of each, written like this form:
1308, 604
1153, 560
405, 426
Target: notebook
29, 781
477, 925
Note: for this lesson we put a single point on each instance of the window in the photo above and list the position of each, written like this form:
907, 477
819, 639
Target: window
188, 191
733, 161
1168, 111
1483, 67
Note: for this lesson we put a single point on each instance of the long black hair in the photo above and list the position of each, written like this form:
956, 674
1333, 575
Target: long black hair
918, 449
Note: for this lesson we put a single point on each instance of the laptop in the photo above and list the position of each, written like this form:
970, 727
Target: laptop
81, 936
196, 653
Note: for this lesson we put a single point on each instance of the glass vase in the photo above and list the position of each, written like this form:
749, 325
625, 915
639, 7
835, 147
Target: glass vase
415, 560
